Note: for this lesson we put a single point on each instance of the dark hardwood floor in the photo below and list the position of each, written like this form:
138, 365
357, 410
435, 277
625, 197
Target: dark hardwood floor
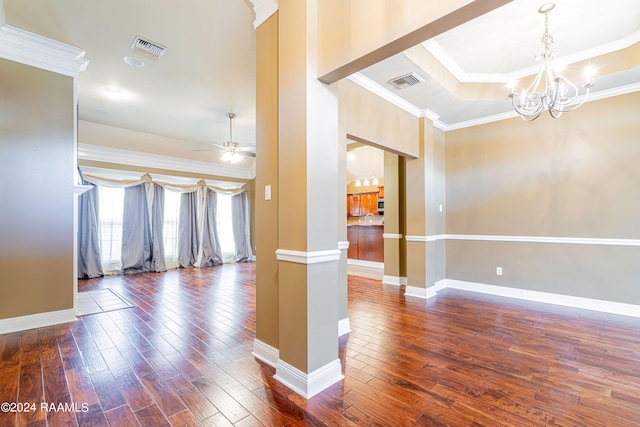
182, 357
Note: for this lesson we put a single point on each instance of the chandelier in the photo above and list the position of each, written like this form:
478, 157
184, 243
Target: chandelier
559, 94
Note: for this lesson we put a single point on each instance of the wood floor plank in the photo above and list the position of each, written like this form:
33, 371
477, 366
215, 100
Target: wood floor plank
121, 417
30, 392
181, 356
151, 416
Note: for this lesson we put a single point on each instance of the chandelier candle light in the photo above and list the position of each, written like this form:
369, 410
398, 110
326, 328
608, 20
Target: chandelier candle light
559, 94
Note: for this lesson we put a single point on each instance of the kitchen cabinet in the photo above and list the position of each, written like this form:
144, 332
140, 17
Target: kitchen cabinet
366, 242
353, 204
361, 204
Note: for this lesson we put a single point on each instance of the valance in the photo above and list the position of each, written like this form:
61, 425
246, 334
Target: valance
181, 188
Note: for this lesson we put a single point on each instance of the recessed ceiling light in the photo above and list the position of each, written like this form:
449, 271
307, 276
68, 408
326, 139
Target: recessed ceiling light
116, 94
112, 91
133, 61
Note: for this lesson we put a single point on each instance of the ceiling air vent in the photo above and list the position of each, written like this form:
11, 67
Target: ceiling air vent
152, 48
406, 80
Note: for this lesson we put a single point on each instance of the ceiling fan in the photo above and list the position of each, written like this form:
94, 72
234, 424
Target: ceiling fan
233, 152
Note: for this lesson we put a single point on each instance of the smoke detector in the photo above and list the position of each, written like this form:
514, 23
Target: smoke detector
406, 80
147, 46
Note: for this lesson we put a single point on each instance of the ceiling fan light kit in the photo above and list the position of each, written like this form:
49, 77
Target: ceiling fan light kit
560, 95
232, 151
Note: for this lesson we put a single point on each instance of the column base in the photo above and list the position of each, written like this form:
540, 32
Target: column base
394, 280
265, 353
308, 385
344, 327
414, 291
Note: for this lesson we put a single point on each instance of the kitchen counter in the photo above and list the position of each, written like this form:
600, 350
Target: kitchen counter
366, 242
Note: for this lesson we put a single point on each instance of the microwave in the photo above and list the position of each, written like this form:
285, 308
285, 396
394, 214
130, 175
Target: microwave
381, 206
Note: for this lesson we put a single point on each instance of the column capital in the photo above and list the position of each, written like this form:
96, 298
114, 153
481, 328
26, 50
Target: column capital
263, 9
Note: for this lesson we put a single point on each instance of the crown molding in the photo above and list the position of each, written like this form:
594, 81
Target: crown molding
394, 99
384, 93
32, 49
442, 56
263, 9
593, 96
373, 87
136, 158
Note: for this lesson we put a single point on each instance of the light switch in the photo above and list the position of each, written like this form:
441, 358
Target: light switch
267, 192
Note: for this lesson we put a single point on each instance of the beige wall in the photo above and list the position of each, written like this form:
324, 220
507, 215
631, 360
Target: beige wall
36, 190
574, 177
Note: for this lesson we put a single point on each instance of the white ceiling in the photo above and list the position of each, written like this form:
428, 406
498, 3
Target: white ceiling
208, 69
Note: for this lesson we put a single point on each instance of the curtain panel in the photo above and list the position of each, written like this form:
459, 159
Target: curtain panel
89, 259
211, 252
142, 250
241, 234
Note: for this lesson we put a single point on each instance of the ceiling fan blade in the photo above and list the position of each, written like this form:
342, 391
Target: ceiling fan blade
246, 149
247, 153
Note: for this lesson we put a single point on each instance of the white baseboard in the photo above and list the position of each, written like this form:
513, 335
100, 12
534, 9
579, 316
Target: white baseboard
308, 385
344, 327
40, 320
394, 280
413, 291
361, 263
544, 297
265, 352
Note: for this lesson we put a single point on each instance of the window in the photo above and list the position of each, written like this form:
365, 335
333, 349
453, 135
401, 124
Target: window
170, 227
225, 228
110, 208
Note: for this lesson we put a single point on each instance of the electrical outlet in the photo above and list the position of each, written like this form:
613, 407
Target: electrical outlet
267, 192
499, 271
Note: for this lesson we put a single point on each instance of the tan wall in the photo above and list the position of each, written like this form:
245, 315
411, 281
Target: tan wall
576, 176
36, 193
375, 121
266, 236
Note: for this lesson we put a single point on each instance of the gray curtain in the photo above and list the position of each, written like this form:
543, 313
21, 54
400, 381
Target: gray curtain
211, 251
140, 226
188, 230
158, 262
89, 263
240, 216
